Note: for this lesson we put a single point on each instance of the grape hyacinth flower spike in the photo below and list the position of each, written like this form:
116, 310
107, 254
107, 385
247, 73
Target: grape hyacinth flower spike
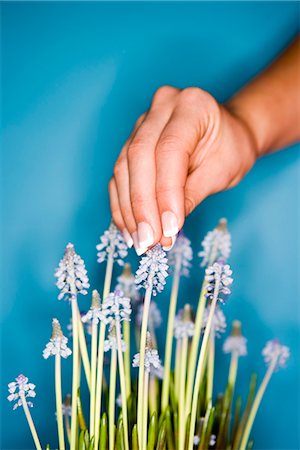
151, 275
20, 391
275, 356
58, 347
112, 248
72, 280
179, 260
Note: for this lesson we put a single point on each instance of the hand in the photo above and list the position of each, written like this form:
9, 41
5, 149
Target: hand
185, 148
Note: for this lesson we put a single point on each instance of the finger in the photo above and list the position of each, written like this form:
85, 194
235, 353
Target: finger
175, 146
142, 171
116, 212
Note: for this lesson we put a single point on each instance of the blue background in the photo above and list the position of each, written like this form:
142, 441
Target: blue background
75, 76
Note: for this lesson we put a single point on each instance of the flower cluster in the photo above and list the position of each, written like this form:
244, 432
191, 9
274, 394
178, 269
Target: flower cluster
115, 307
58, 342
71, 275
236, 343
274, 350
181, 254
183, 326
112, 244
94, 313
216, 244
152, 362
218, 276
111, 342
218, 321
152, 271
126, 284
20, 390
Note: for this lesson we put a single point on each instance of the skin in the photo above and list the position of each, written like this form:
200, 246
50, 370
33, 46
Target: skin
188, 146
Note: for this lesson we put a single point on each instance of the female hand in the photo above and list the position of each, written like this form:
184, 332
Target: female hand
186, 147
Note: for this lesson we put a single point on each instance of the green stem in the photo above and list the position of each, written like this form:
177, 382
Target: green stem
147, 301
93, 377
153, 395
200, 365
122, 385
256, 403
194, 349
83, 350
75, 375
145, 409
30, 423
58, 396
169, 337
210, 367
112, 398
68, 429
106, 289
182, 386
177, 369
126, 334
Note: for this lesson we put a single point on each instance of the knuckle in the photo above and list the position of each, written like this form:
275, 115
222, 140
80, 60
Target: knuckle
136, 146
119, 166
169, 143
137, 199
140, 120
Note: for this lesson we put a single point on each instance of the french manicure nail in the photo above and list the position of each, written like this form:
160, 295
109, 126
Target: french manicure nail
128, 238
167, 249
169, 224
145, 235
137, 247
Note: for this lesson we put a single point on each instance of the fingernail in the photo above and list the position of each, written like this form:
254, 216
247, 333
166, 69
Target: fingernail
169, 224
167, 249
145, 235
128, 238
137, 247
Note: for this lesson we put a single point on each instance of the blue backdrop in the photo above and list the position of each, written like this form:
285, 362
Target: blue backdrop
75, 77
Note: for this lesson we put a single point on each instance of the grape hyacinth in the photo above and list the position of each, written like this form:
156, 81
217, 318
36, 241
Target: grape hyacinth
57, 343
126, 284
94, 313
273, 349
152, 270
218, 273
112, 244
111, 342
115, 307
183, 327
182, 252
236, 343
216, 244
218, 324
21, 389
71, 275
152, 362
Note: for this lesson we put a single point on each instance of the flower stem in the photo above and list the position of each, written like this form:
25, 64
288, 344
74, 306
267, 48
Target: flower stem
147, 301
93, 377
200, 365
126, 334
256, 403
30, 423
122, 385
210, 367
112, 398
177, 369
182, 386
194, 349
106, 289
153, 395
83, 350
145, 408
58, 396
169, 337
75, 375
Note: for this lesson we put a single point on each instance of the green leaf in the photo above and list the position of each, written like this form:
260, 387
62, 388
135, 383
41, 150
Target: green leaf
135, 443
207, 430
170, 441
81, 419
152, 432
81, 443
120, 445
162, 437
103, 432
250, 445
91, 446
48, 447
172, 393
251, 394
237, 411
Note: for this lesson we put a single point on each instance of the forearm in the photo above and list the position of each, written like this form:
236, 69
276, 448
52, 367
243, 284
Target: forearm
270, 105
